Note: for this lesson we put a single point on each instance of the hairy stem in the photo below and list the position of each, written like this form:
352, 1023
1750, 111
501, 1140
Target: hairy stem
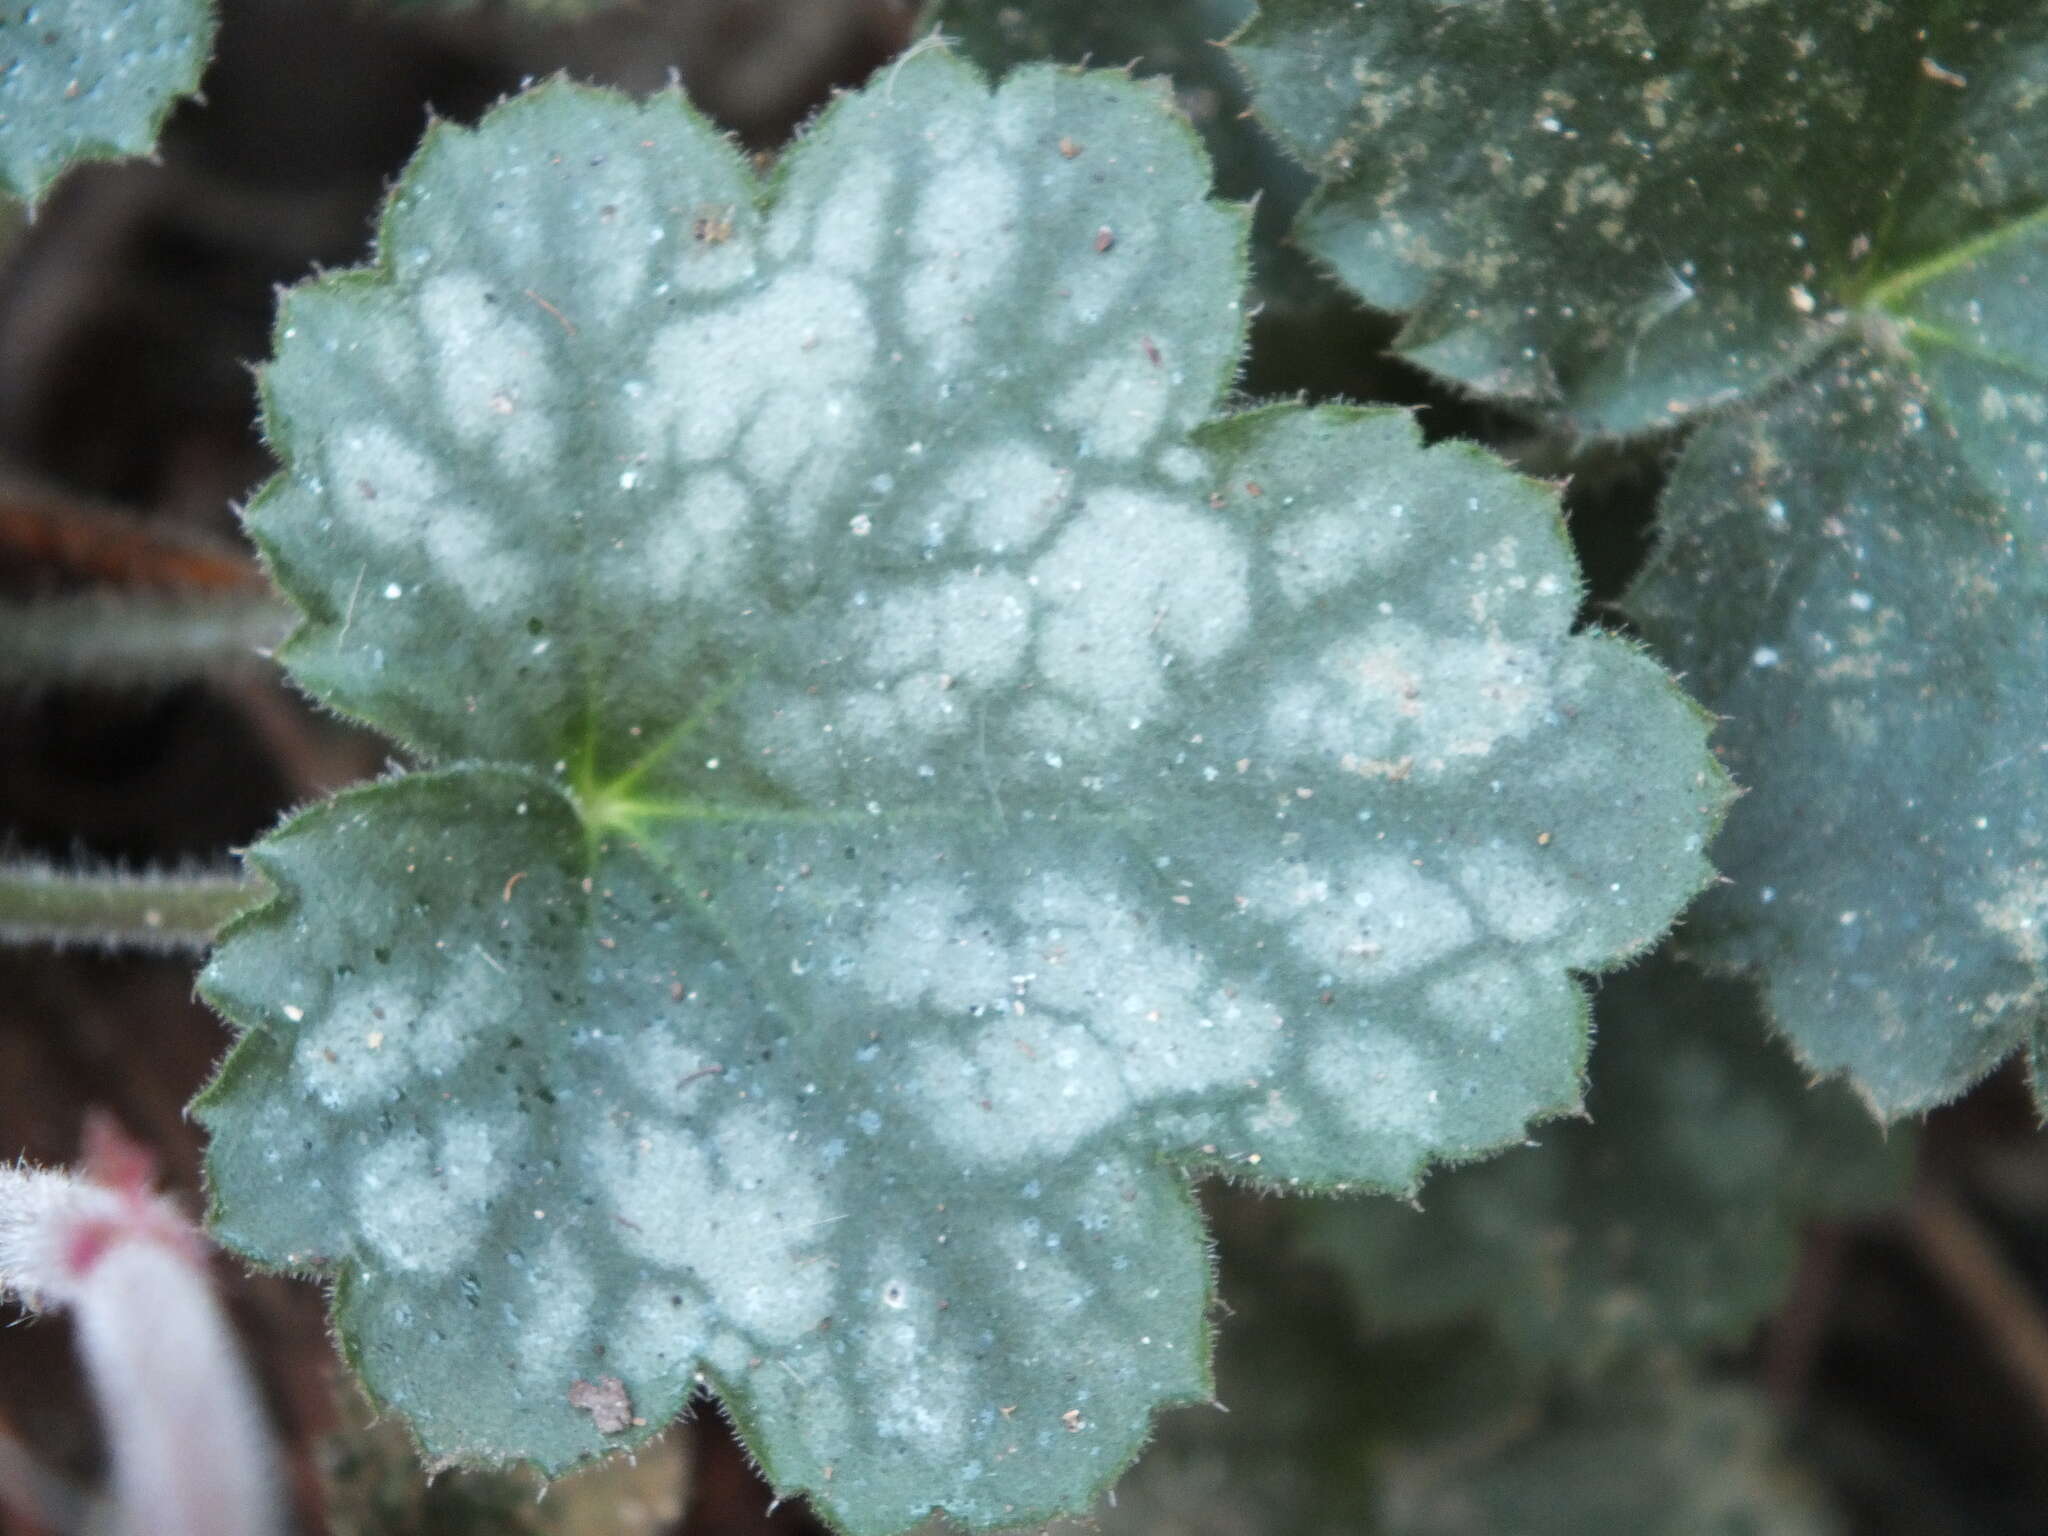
48, 527
41, 904
135, 639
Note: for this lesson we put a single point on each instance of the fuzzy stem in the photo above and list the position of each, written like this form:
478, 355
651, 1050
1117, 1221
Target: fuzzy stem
132, 639
47, 526
40, 904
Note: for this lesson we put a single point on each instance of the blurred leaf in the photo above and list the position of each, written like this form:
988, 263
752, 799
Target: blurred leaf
1669, 1219
1628, 212
92, 80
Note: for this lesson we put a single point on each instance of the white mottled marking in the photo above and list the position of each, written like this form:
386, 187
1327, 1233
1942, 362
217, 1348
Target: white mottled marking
720, 250
1010, 494
614, 219
427, 1210
924, 947
1399, 698
1171, 1026
920, 1377
394, 493
971, 626
663, 1327
777, 378
961, 239
1027, 1087
1369, 920
851, 228
1486, 999
1316, 555
554, 1315
1513, 892
497, 386
372, 1040
1135, 584
1118, 403
698, 547
740, 1223
1380, 1084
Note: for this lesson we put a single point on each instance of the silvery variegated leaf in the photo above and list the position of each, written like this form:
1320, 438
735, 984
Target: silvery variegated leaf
905, 790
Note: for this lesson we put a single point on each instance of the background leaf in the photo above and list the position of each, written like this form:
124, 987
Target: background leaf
1442, 1430
1852, 592
1668, 1221
1627, 212
1834, 232
92, 80
908, 784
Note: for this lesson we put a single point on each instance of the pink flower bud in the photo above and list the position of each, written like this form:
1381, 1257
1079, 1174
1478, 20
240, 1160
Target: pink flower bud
191, 1451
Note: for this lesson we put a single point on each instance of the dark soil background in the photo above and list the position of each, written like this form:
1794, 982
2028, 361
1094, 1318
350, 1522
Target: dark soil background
1912, 1357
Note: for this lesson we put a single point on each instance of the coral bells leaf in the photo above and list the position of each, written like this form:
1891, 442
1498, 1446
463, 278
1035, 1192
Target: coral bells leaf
906, 789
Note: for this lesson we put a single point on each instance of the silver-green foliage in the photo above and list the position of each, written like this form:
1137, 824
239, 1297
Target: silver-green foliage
1669, 1219
907, 788
1178, 39
91, 80
1828, 234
